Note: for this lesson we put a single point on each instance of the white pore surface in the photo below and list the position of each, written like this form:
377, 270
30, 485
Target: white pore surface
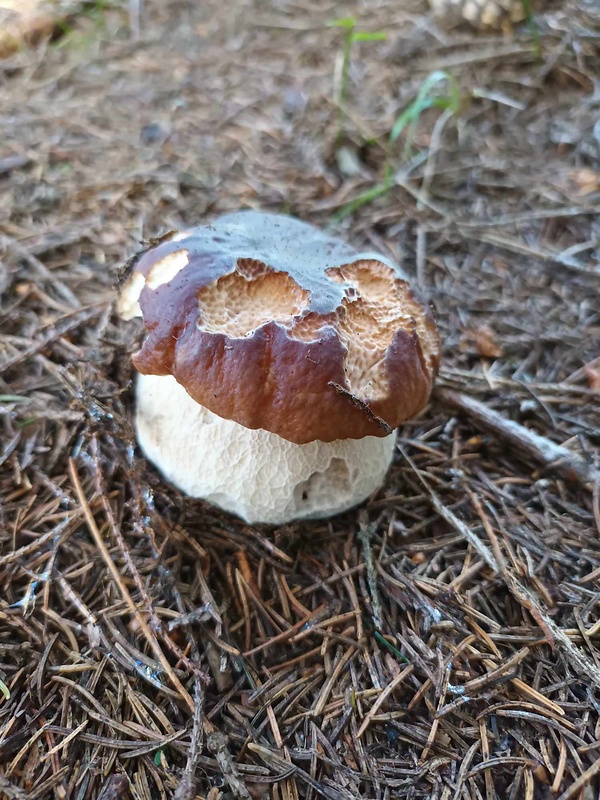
253, 473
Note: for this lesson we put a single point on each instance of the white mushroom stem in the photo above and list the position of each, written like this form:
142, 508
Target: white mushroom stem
253, 473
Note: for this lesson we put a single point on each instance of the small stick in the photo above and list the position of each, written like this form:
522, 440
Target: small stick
550, 455
113, 788
553, 633
365, 534
382, 698
135, 9
155, 622
216, 743
476, 684
187, 785
585, 779
97, 536
42, 270
362, 406
276, 761
59, 328
9, 163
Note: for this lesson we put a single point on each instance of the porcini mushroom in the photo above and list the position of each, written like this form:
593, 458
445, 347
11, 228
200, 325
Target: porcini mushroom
277, 364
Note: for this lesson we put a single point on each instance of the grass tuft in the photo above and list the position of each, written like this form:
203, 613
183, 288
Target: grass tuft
352, 36
427, 97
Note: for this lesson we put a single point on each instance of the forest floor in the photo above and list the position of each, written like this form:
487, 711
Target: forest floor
443, 641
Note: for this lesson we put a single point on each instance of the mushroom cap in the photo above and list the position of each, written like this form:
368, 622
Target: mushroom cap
268, 322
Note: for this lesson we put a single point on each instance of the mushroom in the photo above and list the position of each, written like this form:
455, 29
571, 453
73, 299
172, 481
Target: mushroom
277, 364
481, 14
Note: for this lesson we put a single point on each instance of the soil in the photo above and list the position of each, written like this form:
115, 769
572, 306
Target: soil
442, 641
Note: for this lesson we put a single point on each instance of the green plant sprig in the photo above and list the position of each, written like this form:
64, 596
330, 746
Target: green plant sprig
350, 38
427, 97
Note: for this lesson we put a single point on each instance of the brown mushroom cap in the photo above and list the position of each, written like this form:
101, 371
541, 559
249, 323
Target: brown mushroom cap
267, 321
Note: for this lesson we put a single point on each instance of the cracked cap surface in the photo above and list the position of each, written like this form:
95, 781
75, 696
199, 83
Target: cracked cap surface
267, 321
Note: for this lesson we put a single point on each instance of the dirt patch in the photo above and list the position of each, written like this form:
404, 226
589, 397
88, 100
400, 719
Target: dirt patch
443, 640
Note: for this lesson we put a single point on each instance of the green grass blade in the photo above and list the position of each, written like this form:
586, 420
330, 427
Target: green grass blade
343, 22
366, 197
365, 36
382, 640
425, 99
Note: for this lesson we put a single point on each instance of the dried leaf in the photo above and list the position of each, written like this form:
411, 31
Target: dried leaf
586, 180
483, 340
592, 373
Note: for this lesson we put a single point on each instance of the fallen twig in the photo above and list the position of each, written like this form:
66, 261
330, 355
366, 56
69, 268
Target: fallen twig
276, 761
187, 786
9, 163
551, 456
93, 528
62, 326
553, 632
217, 745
